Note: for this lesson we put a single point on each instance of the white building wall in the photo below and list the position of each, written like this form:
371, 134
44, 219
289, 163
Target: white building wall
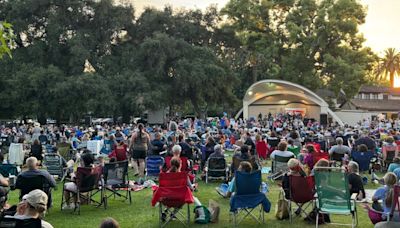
351, 117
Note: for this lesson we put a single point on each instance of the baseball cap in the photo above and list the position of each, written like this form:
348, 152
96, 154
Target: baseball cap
36, 198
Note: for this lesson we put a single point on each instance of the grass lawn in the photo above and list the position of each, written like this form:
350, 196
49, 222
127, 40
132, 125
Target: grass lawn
141, 214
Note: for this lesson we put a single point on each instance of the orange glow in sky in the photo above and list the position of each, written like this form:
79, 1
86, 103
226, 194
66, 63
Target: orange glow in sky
396, 81
380, 28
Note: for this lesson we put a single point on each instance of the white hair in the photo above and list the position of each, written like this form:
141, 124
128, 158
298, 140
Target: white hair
353, 167
31, 163
176, 149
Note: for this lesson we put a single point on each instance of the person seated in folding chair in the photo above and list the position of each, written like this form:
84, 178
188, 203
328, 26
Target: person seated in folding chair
246, 195
185, 163
29, 211
36, 151
338, 151
394, 165
120, 151
33, 172
245, 167
298, 188
87, 161
385, 194
355, 181
175, 167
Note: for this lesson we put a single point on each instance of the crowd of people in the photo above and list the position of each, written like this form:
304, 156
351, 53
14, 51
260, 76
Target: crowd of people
307, 145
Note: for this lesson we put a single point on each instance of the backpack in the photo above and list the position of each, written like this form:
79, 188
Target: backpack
202, 215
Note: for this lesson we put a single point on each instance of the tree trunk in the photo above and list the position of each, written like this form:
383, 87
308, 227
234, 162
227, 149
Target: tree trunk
392, 79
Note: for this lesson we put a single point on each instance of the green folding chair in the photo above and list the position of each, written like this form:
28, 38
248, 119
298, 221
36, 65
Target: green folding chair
333, 195
294, 149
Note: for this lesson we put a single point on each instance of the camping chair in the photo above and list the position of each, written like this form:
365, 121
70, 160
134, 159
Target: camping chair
116, 178
363, 159
87, 181
65, 150
153, 166
27, 184
336, 159
8, 169
53, 164
378, 216
236, 163
216, 169
279, 166
333, 194
294, 149
15, 223
248, 197
389, 158
301, 193
173, 193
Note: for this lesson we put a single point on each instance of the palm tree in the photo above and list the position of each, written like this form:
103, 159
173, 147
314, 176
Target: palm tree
388, 66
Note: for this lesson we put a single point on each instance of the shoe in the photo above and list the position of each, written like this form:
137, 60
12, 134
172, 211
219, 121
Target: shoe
68, 206
163, 217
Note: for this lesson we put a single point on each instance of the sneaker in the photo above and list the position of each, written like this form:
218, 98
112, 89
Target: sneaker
68, 206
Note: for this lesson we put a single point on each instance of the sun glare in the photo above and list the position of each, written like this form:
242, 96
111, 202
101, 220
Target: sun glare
396, 81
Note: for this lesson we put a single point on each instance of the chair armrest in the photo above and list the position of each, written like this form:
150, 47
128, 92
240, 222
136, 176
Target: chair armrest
354, 196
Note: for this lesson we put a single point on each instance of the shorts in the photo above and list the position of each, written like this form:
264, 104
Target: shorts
71, 187
139, 154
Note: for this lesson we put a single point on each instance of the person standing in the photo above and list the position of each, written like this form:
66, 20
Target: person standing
139, 146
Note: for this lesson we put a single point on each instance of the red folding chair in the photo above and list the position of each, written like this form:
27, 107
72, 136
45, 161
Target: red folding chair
172, 193
302, 194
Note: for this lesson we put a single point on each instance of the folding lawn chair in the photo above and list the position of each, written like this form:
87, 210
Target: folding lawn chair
248, 197
8, 169
236, 163
15, 223
153, 166
173, 193
54, 165
279, 166
333, 194
27, 184
393, 215
88, 182
294, 149
389, 158
336, 159
363, 159
301, 193
216, 169
116, 178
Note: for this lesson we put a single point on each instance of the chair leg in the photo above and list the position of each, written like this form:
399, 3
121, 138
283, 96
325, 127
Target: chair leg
160, 216
290, 211
316, 219
188, 215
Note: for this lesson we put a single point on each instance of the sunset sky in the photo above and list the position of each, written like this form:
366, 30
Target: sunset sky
381, 30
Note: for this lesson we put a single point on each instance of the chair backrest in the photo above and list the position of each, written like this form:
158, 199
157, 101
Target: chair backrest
7, 169
363, 159
26, 223
216, 164
295, 150
87, 179
248, 183
390, 155
301, 188
53, 164
174, 180
337, 157
115, 173
280, 163
237, 160
396, 203
332, 187
153, 164
27, 184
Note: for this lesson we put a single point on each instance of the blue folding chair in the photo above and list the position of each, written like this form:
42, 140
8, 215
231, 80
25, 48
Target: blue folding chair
363, 159
248, 197
153, 166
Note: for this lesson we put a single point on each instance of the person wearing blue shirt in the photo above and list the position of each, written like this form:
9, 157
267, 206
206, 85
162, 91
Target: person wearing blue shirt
394, 165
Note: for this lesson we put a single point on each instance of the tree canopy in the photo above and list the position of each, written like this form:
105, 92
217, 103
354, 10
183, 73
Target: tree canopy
73, 58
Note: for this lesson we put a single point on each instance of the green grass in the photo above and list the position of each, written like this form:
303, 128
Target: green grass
142, 214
